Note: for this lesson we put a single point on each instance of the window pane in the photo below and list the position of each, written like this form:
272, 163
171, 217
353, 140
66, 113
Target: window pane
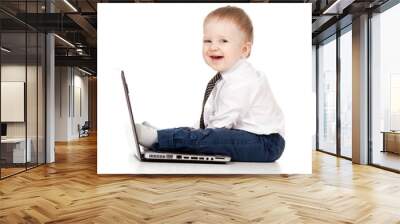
327, 96
386, 88
346, 94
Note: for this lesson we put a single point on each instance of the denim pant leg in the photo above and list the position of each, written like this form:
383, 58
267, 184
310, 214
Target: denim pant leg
239, 145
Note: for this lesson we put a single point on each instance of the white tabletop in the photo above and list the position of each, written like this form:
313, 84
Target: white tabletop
13, 140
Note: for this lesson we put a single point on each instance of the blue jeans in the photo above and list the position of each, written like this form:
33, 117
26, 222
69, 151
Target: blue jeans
240, 145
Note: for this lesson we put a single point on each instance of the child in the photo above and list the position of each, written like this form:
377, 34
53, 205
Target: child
240, 115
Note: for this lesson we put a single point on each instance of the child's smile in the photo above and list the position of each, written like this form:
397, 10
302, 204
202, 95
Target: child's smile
216, 58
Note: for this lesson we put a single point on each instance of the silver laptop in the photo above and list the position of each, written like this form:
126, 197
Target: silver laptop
147, 154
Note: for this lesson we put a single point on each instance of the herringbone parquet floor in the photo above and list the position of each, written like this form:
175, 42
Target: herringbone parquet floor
70, 191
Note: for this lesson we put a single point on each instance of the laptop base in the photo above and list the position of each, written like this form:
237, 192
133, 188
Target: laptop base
181, 161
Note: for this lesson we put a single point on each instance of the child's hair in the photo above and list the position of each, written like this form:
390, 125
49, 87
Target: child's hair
236, 15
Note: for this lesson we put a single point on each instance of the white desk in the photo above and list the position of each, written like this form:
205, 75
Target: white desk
18, 149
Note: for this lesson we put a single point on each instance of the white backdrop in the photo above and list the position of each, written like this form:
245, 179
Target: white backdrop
159, 46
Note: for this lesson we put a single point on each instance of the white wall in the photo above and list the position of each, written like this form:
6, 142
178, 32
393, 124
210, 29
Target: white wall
80, 83
33, 127
15, 72
61, 103
71, 94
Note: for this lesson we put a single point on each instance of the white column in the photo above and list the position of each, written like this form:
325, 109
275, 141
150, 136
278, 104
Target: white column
50, 92
50, 110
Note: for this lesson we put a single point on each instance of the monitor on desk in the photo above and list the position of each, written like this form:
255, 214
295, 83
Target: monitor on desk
3, 130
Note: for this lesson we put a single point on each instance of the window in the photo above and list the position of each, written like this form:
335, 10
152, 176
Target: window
327, 96
346, 93
385, 88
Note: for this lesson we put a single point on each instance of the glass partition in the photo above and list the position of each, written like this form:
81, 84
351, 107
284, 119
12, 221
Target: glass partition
41, 109
31, 100
13, 108
22, 67
32, 85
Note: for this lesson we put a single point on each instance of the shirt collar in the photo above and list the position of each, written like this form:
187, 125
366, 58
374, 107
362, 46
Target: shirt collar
235, 68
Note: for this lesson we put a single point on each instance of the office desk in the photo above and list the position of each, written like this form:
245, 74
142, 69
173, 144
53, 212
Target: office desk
13, 150
391, 141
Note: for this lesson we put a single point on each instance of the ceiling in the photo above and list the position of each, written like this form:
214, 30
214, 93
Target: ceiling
76, 22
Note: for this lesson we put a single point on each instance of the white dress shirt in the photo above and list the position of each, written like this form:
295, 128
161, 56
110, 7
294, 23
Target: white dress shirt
243, 100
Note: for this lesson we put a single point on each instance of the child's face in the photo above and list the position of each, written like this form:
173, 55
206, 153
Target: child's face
223, 44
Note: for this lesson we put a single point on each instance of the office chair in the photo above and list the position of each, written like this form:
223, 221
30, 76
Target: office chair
84, 130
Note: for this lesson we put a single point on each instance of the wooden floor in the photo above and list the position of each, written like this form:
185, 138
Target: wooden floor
10, 171
70, 191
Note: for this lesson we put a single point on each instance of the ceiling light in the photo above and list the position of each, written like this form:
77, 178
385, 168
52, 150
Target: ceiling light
5, 50
84, 71
70, 5
338, 6
65, 41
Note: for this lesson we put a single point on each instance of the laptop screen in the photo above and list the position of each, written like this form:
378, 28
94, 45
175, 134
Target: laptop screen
128, 101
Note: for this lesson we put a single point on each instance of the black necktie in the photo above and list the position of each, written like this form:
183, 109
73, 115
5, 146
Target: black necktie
210, 87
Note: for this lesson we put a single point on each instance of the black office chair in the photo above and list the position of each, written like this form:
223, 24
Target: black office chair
84, 130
